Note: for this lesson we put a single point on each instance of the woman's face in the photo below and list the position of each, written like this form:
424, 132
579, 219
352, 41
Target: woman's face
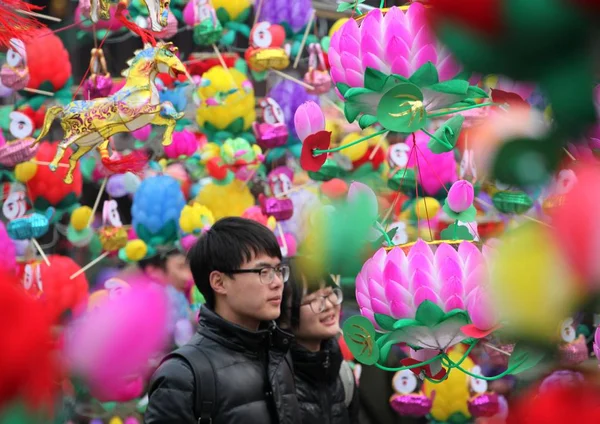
320, 315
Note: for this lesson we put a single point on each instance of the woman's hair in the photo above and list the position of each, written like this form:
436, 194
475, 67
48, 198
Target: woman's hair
296, 288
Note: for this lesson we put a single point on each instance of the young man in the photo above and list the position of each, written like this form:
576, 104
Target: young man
236, 369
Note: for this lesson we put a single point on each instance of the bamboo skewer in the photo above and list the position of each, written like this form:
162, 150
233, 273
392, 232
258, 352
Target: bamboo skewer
36, 91
89, 265
41, 251
304, 38
283, 240
39, 15
257, 11
97, 202
289, 77
42, 163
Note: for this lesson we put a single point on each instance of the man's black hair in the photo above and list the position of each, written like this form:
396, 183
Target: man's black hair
294, 291
226, 246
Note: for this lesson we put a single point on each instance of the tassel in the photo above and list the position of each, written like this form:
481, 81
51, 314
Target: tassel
144, 34
134, 162
15, 25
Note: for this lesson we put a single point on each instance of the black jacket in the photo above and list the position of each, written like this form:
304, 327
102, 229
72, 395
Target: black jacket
319, 386
253, 378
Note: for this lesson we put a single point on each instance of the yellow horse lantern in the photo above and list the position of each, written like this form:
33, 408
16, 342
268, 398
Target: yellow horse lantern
90, 123
158, 11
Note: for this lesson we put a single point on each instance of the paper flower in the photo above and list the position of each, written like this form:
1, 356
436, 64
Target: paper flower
309, 160
308, 119
424, 288
460, 196
397, 43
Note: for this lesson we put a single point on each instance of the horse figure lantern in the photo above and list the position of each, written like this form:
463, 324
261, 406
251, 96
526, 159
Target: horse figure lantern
158, 11
90, 123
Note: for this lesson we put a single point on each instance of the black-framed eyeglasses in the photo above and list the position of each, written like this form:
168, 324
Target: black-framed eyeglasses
266, 273
318, 304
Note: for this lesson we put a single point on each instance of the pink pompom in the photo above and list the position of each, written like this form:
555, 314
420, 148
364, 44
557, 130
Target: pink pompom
290, 243
111, 346
143, 133
184, 144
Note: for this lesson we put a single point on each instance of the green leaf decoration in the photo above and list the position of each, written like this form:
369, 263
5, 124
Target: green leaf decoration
385, 321
366, 121
236, 126
401, 109
143, 233
342, 88
468, 215
447, 135
259, 76
223, 15
228, 38
429, 314
405, 180
374, 79
512, 202
405, 322
454, 87
456, 232
239, 27
426, 75
359, 334
476, 93
523, 358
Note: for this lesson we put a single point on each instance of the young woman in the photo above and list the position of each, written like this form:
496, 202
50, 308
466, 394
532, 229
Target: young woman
327, 392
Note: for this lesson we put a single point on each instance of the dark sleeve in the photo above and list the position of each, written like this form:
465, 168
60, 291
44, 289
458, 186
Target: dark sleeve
354, 408
171, 395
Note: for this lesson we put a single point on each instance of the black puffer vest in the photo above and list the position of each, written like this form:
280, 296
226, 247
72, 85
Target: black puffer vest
318, 384
253, 377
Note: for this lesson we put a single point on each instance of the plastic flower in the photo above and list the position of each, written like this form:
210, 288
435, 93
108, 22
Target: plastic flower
460, 196
308, 159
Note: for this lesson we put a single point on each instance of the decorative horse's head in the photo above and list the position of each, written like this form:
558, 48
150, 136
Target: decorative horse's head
167, 61
158, 11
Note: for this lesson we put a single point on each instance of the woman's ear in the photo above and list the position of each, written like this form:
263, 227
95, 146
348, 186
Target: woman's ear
217, 283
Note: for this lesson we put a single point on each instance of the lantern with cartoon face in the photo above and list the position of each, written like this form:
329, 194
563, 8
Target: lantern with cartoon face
267, 49
573, 349
22, 149
15, 73
409, 399
272, 132
317, 76
279, 205
113, 236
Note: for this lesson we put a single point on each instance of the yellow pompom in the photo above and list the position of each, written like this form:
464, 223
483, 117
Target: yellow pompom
334, 127
337, 25
194, 218
491, 81
226, 200
115, 420
257, 149
210, 151
427, 208
235, 106
25, 171
271, 223
163, 163
80, 217
355, 152
135, 250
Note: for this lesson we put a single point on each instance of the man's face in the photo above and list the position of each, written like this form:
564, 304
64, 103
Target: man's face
251, 297
177, 272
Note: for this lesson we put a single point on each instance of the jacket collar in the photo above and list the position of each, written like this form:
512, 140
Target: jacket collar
214, 327
318, 366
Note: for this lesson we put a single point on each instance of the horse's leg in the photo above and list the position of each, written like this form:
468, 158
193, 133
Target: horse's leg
169, 123
167, 116
82, 150
60, 152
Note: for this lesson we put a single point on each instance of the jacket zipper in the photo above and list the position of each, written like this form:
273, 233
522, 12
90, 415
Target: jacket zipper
324, 393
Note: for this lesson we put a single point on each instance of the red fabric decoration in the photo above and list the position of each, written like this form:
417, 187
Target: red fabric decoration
49, 185
47, 59
28, 357
376, 162
570, 404
144, 34
14, 24
215, 169
483, 16
319, 140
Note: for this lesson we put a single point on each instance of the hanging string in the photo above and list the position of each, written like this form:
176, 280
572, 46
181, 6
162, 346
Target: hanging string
317, 152
395, 202
88, 70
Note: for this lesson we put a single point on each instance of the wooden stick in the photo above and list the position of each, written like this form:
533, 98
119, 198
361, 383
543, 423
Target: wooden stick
97, 202
36, 91
39, 15
294, 189
569, 154
223, 64
91, 264
491, 346
283, 240
257, 11
41, 251
334, 104
291, 78
42, 163
304, 38
378, 146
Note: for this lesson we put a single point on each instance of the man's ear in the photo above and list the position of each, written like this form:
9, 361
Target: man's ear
217, 282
